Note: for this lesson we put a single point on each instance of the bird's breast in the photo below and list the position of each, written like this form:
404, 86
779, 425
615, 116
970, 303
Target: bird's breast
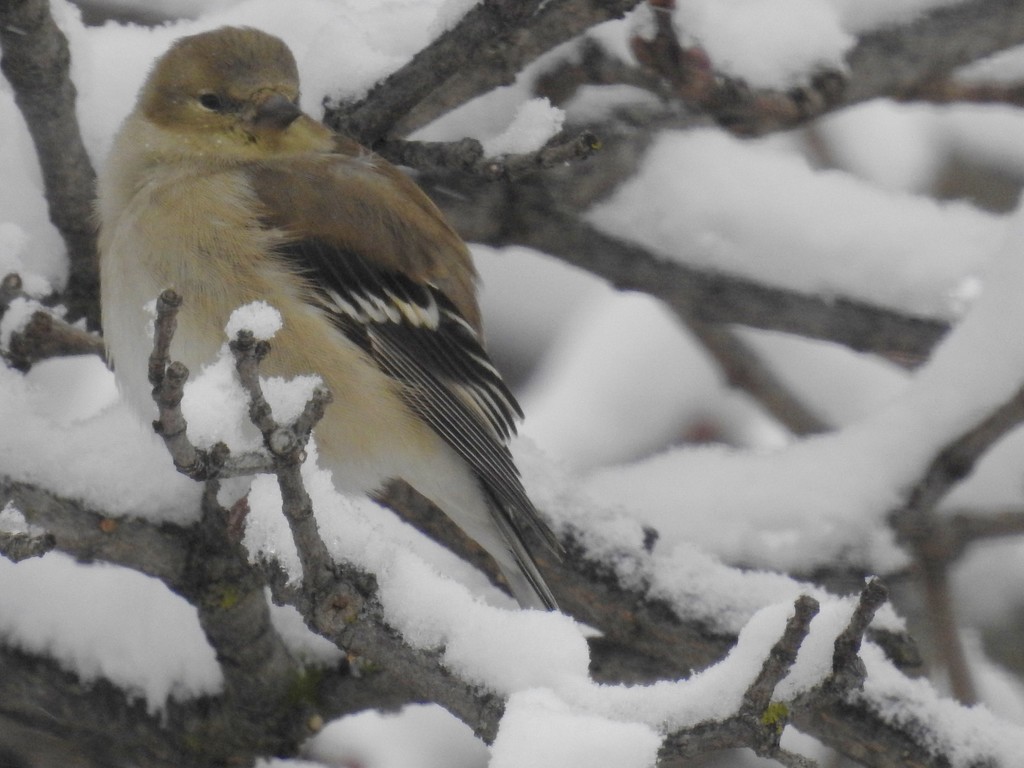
202, 237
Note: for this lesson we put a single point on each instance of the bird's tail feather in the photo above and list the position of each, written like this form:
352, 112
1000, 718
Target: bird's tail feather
527, 585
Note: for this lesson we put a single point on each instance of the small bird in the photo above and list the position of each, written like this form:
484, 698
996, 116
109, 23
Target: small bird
219, 186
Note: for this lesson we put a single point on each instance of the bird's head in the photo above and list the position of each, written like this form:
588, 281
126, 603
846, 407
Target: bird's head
232, 91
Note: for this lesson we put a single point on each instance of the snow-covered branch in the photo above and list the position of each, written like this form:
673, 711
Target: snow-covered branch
467, 155
39, 334
36, 62
537, 221
485, 49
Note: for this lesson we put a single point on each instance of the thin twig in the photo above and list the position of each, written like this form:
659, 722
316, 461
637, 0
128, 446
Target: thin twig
957, 460
920, 528
847, 669
592, 64
168, 379
172, 426
884, 62
758, 724
287, 445
950, 90
167, 306
744, 370
782, 655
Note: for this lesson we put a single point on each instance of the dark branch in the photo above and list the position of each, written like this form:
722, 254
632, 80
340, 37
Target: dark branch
758, 724
950, 90
467, 156
720, 298
955, 462
155, 550
744, 370
36, 62
11, 288
902, 61
487, 48
781, 657
927, 536
45, 337
24, 546
964, 528
168, 379
287, 446
847, 669
891, 61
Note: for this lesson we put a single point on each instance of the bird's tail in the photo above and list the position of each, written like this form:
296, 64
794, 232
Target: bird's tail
527, 585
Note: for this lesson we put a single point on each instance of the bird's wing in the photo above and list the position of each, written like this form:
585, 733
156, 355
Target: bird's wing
361, 204
394, 306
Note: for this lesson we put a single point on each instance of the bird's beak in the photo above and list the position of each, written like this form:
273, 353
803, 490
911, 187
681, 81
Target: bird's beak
275, 111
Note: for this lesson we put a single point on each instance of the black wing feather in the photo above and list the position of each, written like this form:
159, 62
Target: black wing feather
416, 336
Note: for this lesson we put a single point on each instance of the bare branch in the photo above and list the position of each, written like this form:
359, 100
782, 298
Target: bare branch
891, 61
965, 528
847, 668
467, 156
45, 337
259, 671
168, 380
901, 61
168, 304
593, 64
87, 535
744, 370
921, 529
957, 460
781, 657
23, 546
287, 446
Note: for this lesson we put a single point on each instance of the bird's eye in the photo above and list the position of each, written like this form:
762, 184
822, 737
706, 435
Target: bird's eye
211, 101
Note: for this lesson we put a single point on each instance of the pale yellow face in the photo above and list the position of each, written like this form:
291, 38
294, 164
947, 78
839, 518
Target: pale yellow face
231, 91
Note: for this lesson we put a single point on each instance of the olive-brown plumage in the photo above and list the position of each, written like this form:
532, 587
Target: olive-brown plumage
219, 186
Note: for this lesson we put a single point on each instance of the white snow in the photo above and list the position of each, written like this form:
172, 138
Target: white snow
417, 737
64, 430
959, 732
828, 495
769, 43
752, 209
157, 650
540, 730
261, 319
534, 123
